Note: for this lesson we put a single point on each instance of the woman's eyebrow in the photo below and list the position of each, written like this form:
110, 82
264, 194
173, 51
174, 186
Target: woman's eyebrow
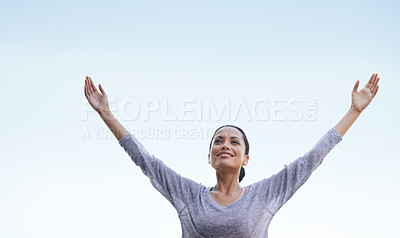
232, 137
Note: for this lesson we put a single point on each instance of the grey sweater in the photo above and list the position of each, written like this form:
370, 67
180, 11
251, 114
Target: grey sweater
250, 216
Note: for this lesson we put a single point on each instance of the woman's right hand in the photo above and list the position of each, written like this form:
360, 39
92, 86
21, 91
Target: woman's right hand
98, 101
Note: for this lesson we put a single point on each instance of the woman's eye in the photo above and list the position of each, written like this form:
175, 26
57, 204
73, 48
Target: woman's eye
217, 141
235, 142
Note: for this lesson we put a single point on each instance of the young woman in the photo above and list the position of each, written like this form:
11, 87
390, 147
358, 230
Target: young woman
227, 209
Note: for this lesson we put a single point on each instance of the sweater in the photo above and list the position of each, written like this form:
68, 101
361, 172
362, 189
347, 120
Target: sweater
249, 216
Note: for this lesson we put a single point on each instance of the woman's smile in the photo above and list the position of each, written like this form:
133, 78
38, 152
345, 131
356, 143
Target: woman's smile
225, 154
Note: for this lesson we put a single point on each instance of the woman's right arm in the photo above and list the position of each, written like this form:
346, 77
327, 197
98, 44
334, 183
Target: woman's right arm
176, 188
99, 102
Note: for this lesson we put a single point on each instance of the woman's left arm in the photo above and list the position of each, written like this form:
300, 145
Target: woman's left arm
359, 101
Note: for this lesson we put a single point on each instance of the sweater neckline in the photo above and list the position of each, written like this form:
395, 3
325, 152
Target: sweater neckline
212, 201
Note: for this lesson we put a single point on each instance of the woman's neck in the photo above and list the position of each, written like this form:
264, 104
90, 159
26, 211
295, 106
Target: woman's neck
227, 183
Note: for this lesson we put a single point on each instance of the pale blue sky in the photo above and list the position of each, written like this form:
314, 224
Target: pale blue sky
58, 182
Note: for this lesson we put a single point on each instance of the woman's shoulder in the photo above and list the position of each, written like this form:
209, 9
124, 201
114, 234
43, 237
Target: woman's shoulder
256, 186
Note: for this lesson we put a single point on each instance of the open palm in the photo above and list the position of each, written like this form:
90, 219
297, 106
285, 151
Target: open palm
360, 100
99, 101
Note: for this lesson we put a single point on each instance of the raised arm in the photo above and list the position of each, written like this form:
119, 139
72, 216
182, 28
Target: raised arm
176, 188
359, 101
99, 102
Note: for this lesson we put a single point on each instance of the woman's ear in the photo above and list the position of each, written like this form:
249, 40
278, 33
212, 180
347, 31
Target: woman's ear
246, 160
209, 159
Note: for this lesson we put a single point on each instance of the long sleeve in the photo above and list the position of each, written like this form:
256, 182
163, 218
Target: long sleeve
280, 187
176, 188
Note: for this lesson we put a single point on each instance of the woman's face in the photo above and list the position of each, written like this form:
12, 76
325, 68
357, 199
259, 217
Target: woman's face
228, 150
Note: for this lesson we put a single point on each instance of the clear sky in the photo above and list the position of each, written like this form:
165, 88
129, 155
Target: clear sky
174, 71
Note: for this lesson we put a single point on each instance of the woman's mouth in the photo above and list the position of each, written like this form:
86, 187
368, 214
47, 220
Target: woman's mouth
224, 154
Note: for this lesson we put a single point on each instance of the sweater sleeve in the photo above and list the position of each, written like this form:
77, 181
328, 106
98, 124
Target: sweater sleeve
175, 188
280, 187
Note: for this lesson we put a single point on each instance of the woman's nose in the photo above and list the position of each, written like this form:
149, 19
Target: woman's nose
225, 145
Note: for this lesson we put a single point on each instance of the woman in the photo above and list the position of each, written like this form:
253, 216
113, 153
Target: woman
227, 209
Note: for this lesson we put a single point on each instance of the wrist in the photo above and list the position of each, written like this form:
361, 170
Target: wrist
104, 112
354, 110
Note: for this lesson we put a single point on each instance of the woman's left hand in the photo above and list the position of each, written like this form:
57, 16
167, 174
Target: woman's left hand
361, 99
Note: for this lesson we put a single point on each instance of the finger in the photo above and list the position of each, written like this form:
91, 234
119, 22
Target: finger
375, 86
375, 77
87, 86
373, 80
376, 82
94, 89
102, 90
370, 81
85, 91
356, 86
376, 91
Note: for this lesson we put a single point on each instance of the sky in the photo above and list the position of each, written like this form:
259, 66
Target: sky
174, 71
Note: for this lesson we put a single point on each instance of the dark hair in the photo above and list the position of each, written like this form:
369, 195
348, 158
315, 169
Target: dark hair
246, 142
